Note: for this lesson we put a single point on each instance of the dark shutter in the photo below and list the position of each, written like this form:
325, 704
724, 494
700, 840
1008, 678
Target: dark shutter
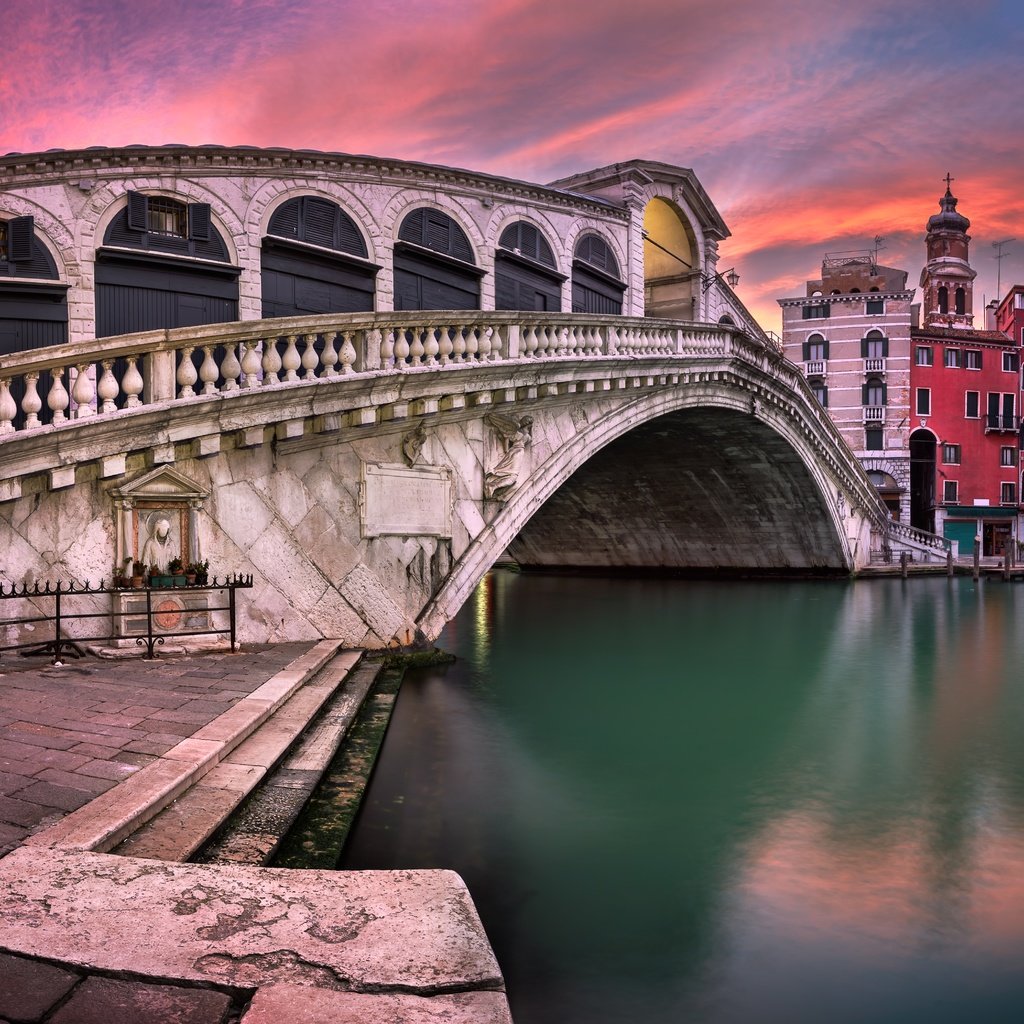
824, 398
885, 348
199, 221
863, 348
138, 212
436, 230
824, 352
319, 222
285, 221
864, 394
19, 239
807, 350
885, 393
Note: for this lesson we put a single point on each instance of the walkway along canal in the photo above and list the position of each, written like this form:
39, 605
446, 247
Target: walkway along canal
724, 802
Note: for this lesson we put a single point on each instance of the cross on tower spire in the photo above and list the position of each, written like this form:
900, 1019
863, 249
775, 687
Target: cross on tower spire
949, 178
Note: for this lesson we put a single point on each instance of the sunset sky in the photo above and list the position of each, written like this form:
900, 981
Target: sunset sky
814, 126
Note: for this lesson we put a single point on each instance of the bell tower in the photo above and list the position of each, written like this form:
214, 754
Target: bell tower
947, 280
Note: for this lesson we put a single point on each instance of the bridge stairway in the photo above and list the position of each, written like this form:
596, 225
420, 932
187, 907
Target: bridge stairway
272, 772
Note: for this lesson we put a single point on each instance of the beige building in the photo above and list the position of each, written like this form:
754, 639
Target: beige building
850, 333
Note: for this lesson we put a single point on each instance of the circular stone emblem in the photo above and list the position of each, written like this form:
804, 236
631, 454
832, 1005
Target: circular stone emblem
167, 615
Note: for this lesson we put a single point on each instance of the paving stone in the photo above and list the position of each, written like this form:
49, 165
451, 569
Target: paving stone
10, 783
110, 1001
29, 988
59, 797
22, 812
75, 780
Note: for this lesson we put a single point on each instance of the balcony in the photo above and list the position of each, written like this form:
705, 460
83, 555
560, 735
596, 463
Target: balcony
998, 423
874, 365
874, 414
815, 368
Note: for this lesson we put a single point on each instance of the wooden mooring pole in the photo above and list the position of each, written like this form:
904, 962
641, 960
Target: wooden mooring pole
977, 557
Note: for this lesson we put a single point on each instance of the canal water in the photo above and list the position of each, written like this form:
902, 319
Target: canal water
683, 801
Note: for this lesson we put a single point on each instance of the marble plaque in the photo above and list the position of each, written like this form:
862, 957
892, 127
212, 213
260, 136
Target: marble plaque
408, 501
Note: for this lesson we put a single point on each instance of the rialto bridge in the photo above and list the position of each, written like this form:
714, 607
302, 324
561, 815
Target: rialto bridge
363, 380
368, 469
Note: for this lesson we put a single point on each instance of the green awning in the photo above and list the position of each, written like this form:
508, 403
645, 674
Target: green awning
981, 511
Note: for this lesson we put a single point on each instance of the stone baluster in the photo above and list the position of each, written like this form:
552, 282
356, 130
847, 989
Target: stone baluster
58, 399
472, 344
499, 342
310, 357
459, 344
329, 356
107, 388
387, 348
8, 407
230, 369
530, 342
186, 375
484, 345
271, 362
208, 371
416, 348
291, 360
431, 346
401, 349
31, 403
132, 384
348, 353
580, 338
251, 364
593, 346
562, 345
447, 346
83, 391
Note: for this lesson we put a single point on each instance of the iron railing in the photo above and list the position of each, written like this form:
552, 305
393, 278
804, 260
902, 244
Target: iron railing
140, 608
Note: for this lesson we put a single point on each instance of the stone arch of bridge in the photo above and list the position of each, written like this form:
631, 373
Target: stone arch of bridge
773, 445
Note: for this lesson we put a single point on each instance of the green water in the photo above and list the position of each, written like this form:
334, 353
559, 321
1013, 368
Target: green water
690, 801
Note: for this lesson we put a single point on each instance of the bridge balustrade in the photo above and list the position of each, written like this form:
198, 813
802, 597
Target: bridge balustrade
223, 359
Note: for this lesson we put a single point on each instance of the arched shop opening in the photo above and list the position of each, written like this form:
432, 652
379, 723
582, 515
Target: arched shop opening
525, 272
922, 480
888, 490
597, 285
314, 260
435, 267
670, 271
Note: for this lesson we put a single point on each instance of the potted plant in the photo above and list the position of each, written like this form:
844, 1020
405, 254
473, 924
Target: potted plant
176, 569
138, 574
200, 572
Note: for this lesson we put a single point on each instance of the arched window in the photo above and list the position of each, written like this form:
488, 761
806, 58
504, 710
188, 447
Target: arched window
943, 299
524, 270
815, 349
313, 260
873, 392
874, 345
960, 301
434, 264
596, 286
727, 320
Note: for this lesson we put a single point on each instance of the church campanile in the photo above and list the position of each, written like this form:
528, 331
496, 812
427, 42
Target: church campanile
947, 281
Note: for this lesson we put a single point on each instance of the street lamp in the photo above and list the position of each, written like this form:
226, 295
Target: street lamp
730, 277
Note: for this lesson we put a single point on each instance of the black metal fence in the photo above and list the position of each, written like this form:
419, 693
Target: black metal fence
147, 615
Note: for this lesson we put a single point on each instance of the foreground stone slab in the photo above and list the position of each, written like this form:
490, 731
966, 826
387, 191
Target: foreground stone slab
111, 1001
412, 931
277, 1003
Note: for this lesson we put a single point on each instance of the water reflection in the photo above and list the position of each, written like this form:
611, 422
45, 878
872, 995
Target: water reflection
725, 802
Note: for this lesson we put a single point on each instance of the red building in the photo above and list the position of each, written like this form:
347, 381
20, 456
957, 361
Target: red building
965, 400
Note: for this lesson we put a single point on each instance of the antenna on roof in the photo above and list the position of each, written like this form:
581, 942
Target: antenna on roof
879, 240
999, 257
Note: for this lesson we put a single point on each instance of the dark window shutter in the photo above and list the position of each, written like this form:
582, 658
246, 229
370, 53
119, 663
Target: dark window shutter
438, 232
320, 217
885, 393
595, 250
807, 350
885, 348
199, 221
349, 238
824, 398
138, 212
285, 221
412, 228
863, 348
825, 352
20, 232
863, 394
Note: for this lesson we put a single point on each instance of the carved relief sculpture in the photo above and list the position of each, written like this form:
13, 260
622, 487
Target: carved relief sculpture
515, 437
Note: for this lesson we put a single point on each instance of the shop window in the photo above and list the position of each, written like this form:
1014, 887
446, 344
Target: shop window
951, 454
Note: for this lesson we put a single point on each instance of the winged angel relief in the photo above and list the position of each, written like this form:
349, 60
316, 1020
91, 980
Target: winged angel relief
515, 437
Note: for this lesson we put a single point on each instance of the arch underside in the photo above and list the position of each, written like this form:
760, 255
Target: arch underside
698, 490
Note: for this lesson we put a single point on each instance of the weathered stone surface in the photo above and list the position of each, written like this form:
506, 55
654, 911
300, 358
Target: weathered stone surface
417, 931
110, 1001
28, 988
276, 1004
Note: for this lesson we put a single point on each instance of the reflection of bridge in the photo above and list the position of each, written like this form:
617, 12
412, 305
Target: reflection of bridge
344, 459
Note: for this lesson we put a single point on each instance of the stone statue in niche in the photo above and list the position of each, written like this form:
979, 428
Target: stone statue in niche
412, 444
515, 437
162, 541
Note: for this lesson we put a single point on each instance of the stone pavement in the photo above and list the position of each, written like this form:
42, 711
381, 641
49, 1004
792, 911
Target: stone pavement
92, 937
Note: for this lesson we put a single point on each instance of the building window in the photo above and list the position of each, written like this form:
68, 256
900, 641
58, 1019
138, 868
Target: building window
816, 311
874, 440
167, 217
815, 349
949, 492
874, 345
820, 392
924, 401
1001, 412
1011, 362
951, 454
972, 405
1008, 494
874, 392
1007, 456
972, 359
952, 358
875, 306
923, 355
